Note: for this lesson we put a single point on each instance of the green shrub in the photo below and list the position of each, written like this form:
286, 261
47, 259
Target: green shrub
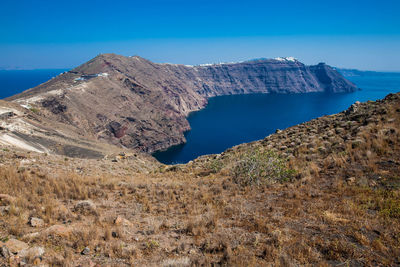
260, 167
214, 165
34, 110
390, 208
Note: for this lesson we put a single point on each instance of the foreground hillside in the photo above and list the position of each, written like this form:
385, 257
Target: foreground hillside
325, 192
135, 103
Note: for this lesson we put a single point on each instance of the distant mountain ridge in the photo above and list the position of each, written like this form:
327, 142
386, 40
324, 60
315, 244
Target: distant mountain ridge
135, 103
356, 72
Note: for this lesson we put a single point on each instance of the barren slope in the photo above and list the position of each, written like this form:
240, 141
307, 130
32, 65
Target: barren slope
326, 193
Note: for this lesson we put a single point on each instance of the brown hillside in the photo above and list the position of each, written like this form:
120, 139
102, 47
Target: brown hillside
322, 193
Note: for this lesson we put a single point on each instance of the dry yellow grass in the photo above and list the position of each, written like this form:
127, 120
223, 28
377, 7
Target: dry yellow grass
342, 207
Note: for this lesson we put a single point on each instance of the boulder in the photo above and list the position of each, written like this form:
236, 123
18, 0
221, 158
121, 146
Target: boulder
353, 108
57, 230
36, 222
34, 252
15, 246
5, 252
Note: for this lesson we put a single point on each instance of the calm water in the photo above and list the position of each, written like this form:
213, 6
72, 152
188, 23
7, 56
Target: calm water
231, 120
15, 81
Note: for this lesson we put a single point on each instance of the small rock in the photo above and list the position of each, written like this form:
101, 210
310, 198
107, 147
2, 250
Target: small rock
57, 230
32, 253
15, 260
36, 222
372, 183
85, 251
6, 199
353, 108
16, 246
85, 207
122, 221
351, 180
30, 236
5, 252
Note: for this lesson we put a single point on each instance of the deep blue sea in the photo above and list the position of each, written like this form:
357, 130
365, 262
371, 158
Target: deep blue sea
231, 120
15, 81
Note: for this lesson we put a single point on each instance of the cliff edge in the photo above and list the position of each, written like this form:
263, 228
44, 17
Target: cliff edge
135, 103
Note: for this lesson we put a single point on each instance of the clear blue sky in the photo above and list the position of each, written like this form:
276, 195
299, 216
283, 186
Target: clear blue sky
363, 34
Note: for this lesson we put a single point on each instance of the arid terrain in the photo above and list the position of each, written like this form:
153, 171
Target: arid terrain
323, 193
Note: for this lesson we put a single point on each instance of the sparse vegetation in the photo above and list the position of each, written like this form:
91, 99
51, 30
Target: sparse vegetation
34, 110
214, 165
343, 208
259, 167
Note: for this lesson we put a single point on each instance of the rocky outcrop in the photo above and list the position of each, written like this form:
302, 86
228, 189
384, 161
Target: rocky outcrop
135, 103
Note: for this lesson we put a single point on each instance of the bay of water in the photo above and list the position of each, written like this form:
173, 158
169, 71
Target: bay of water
15, 81
231, 120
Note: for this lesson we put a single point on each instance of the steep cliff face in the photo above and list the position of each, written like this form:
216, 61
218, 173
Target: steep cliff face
135, 103
270, 76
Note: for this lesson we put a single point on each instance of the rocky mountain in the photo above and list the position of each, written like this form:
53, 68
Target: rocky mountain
135, 103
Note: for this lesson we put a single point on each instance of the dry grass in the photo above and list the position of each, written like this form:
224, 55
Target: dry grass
341, 208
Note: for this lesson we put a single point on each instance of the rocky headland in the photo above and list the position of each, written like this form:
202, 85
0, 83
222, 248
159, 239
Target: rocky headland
137, 104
